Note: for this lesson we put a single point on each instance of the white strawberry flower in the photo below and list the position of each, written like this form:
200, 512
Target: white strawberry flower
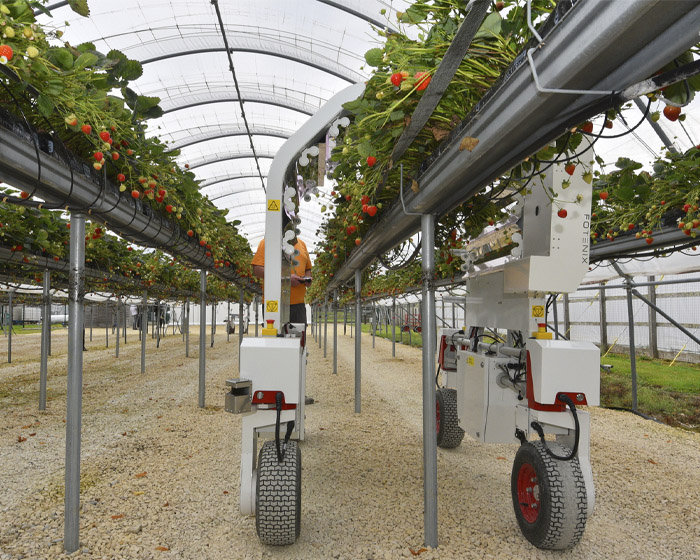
3, 60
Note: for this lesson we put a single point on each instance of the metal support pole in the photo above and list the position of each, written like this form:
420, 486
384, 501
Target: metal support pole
187, 328
633, 350
202, 334
454, 318
213, 323
257, 321
567, 318
319, 333
144, 330
116, 351
125, 329
653, 338
358, 340
325, 327
335, 332
393, 327
107, 325
429, 332
74, 386
91, 321
228, 320
9, 332
45, 334
374, 324
603, 323
241, 302
410, 320
182, 320
555, 314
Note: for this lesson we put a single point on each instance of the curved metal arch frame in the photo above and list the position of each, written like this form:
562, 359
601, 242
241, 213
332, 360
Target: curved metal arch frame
248, 155
232, 193
219, 180
250, 51
331, 3
236, 100
227, 135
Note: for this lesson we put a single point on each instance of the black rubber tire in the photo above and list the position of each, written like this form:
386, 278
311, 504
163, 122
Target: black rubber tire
560, 493
449, 434
231, 329
278, 495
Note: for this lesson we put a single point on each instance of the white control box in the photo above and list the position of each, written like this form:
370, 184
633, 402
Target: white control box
486, 409
274, 364
567, 366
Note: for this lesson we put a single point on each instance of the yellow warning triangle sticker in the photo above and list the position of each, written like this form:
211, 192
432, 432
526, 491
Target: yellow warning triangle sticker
273, 205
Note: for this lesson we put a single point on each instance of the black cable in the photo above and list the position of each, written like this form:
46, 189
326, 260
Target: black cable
538, 428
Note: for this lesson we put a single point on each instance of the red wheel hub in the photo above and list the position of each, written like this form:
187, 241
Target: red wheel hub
528, 493
437, 415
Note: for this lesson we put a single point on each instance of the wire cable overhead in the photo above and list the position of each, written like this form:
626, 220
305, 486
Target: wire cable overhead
238, 91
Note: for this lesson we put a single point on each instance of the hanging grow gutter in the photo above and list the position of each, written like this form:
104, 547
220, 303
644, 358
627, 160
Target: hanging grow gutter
592, 45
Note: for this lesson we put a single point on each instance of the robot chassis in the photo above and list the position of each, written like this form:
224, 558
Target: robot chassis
507, 389
270, 393
496, 390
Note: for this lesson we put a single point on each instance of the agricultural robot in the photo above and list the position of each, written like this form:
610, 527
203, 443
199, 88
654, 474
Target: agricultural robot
507, 388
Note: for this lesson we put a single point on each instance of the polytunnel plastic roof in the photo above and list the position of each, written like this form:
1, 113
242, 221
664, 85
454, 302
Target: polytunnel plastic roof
289, 58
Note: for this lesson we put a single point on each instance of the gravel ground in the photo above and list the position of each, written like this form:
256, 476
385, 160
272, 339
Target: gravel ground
160, 476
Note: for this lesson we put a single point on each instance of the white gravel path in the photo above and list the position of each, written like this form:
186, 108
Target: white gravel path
362, 479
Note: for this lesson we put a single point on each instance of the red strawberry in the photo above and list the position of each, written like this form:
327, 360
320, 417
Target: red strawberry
6, 51
570, 168
562, 213
650, 240
358, 241
364, 199
121, 177
587, 127
603, 195
371, 161
169, 208
99, 156
372, 210
396, 79
24, 194
364, 208
202, 243
86, 128
104, 136
672, 113
190, 233
422, 80
135, 194
115, 156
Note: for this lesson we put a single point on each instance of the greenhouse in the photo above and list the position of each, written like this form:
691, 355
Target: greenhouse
369, 279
